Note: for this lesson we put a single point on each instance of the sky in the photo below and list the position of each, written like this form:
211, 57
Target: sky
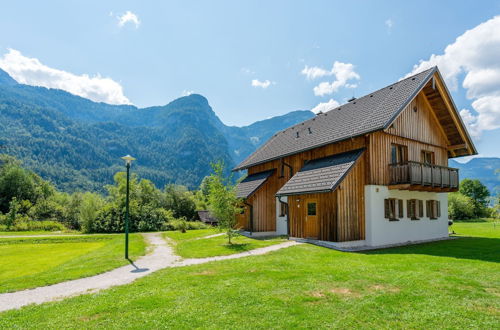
257, 59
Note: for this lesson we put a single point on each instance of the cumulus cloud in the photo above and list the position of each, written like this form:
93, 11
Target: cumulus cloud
263, 84
31, 71
187, 92
343, 73
474, 56
313, 72
325, 106
128, 18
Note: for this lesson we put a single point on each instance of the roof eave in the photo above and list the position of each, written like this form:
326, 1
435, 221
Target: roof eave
241, 168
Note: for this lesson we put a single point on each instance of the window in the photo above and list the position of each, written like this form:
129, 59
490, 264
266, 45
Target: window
433, 209
393, 209
311, 209
400, 208
282, 209
427, 157
415, 209
399, 154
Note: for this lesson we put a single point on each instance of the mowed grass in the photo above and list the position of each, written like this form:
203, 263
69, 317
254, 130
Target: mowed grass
192, 244
446, 284
31, 262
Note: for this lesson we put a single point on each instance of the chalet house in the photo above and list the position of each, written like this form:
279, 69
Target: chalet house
371, 172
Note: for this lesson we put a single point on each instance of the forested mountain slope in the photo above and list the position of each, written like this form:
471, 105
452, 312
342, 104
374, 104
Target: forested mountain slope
77, 143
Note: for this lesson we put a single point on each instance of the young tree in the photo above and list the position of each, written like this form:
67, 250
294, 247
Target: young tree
223, 203
478, 193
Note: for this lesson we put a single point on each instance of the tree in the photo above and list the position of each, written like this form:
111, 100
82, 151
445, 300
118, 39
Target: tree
478, 193
223, 203
460, 207
15, 182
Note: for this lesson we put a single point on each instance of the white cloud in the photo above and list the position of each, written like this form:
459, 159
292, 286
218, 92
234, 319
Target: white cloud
263, 84
313, 72
31, 71
389, 23
187, 92
247, 70
475, 56
325, 106
343, 73
128, 17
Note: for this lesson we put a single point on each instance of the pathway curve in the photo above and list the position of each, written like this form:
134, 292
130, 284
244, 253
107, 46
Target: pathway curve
161, 257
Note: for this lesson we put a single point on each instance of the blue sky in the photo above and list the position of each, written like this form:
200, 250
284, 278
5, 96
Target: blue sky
153, 52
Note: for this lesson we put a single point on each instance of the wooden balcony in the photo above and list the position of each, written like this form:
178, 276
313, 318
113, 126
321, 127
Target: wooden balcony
423, 177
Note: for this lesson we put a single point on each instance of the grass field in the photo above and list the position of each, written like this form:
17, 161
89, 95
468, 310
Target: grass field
189, 244
31, 262
447, 284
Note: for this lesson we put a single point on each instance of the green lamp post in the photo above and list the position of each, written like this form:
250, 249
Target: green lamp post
128, 161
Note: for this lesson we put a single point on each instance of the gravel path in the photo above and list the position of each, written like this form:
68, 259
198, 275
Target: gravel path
256, 252
161, 257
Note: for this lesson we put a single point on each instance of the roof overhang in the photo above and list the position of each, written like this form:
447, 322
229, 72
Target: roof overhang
248, 186
321, 175
440, 101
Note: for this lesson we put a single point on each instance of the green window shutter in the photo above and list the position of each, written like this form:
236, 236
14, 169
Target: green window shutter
400, 208
428, 206
408, 208
420, 208
438, 205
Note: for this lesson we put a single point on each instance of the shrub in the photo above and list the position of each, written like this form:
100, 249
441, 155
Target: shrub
189, 225
460, 207
24, 224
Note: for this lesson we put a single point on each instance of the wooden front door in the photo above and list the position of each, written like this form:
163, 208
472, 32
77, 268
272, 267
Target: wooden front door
311, 218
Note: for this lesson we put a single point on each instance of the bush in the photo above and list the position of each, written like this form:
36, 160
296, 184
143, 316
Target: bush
29, 225
189, 225
460, 207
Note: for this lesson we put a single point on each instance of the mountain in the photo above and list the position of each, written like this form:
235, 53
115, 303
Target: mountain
480, 168
77, 143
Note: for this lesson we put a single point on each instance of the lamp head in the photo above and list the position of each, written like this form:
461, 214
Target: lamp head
128, 159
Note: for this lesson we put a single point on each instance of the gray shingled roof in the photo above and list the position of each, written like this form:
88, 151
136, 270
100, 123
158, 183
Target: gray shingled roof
251, 183
321, 175
369, 113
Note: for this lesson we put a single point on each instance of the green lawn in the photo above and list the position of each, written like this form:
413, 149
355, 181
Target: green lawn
189, 244
31, 262
447, 284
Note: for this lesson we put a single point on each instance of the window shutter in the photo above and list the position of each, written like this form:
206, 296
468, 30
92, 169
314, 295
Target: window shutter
428, 206
387, 211
400, 208
408, 208
420, 208
438, 206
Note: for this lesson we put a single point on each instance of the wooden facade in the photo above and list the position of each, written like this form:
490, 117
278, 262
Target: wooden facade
341, 213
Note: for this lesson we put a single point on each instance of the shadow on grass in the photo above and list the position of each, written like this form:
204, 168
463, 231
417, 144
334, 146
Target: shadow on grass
137, 269
473, 248
237, 247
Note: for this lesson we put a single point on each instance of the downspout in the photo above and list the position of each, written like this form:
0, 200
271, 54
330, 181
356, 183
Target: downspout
283, 164
250, 207
287, 219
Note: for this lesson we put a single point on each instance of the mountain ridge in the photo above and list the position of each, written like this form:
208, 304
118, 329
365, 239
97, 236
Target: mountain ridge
76, 143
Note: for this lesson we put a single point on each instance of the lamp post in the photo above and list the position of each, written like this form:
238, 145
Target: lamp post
128, 161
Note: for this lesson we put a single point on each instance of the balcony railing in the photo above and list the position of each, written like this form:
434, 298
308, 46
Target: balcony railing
415, 173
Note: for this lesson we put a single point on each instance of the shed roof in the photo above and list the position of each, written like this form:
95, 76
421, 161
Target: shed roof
321, 175
372, 112
251, 183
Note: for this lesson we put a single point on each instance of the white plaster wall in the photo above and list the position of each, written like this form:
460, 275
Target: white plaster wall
381, 231
281, 226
